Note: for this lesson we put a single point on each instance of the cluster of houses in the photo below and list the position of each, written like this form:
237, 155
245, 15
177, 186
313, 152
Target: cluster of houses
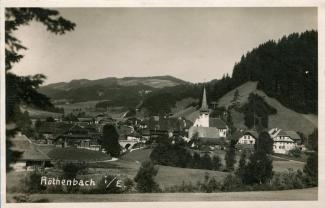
86, 133
214, 130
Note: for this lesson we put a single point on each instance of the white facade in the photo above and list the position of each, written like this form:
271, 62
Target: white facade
202, 121
283, 144
223, 132
247, 139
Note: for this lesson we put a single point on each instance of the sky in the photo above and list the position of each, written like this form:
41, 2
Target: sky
193, 44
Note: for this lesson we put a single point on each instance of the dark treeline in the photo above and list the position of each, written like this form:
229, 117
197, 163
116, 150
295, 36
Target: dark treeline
178, 155
286, 70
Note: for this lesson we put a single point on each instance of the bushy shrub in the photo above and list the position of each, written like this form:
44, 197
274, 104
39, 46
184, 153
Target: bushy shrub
32, 183
231, 183
145, 178
288, 180
296, 152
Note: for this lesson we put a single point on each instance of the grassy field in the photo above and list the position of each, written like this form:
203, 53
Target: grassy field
129, 164
35, 113
287, 195
89, 108
138, 155
76, 154
285, 118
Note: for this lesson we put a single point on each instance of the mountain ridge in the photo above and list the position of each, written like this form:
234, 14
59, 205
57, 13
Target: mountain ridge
75, 83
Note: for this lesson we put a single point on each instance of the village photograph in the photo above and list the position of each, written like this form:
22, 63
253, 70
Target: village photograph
161, 104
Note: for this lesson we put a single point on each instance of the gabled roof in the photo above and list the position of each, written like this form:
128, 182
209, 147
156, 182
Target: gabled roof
30, 151
279, 132
252, 133
282, 133
217, 123
293, 135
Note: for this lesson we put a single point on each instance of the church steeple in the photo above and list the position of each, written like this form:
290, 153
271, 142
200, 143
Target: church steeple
204, 105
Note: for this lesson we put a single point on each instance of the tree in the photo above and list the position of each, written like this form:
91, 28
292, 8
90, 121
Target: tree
230, 156
196, 160
206, 162
71, 171
313, 140
32, 182
145, 178
23, 89
216, 162
50, 119
242, 165
259, 169
264, 143
311, 169
110, 140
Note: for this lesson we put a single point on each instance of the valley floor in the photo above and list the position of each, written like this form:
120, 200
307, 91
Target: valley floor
310, 194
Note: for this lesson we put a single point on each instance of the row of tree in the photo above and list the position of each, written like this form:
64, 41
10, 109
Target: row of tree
178, 155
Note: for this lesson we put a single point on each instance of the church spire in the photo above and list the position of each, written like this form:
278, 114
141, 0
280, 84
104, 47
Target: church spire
204, 106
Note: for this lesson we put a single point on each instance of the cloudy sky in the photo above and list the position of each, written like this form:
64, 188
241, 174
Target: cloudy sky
194, 44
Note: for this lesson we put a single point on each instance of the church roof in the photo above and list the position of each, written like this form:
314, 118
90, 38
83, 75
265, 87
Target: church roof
217, 123
204, 106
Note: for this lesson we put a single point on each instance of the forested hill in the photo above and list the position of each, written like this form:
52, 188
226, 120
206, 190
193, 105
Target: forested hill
286, 70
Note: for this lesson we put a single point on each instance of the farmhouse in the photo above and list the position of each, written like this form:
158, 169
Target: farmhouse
284, 141
246, 139
50, 130
31, 157
167, 126
79, 137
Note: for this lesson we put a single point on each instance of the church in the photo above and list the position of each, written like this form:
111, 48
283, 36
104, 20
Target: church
205, 126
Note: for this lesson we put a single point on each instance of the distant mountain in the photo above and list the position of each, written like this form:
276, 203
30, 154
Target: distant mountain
155, 82
118, 90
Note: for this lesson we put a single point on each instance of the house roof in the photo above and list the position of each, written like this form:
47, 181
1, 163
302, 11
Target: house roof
252, 133
30, 151
293, 135
282, 133
279, 132
217, 123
